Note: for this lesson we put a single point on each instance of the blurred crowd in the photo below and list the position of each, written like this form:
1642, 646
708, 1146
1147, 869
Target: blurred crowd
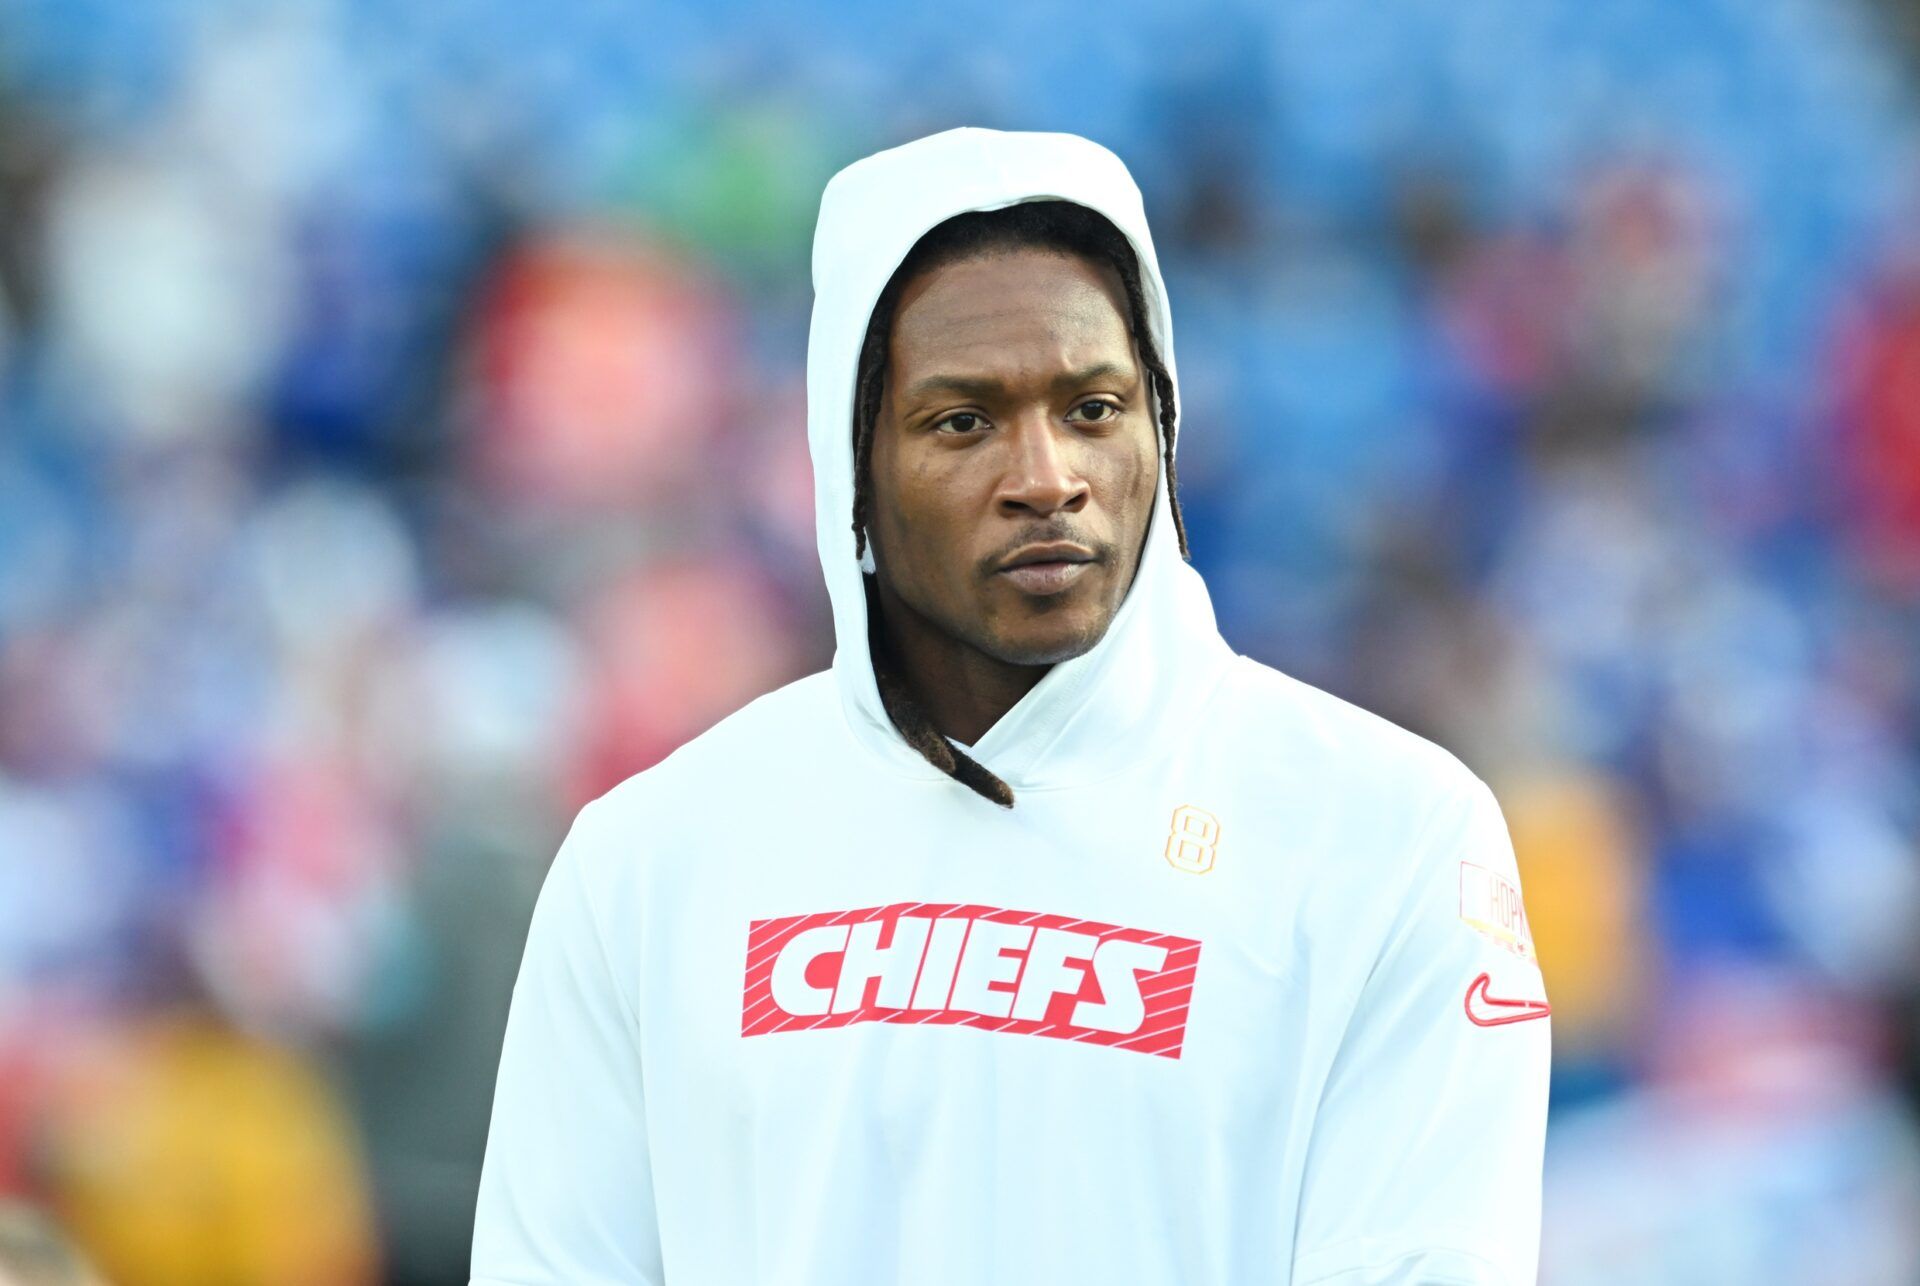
402, 440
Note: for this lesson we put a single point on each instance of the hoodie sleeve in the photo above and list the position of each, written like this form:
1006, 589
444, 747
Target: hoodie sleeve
566, 1189
1424, 1164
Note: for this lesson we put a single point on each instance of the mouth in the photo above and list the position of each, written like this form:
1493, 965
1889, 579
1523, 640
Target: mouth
1047, 569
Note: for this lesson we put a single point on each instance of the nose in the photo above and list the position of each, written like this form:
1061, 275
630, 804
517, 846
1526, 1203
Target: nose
1040, 477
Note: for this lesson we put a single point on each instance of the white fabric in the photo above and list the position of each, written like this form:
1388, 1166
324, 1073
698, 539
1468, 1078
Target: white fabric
1325, 1114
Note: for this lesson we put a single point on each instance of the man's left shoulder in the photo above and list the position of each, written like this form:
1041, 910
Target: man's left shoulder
1286, 725
1372, 819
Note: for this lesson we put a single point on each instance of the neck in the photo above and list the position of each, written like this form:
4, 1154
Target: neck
962, 690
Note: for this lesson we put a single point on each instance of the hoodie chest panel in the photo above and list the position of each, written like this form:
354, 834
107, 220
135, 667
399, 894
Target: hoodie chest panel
1104, 980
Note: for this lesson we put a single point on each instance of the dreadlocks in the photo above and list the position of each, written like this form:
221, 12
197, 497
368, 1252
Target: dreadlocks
1042, 225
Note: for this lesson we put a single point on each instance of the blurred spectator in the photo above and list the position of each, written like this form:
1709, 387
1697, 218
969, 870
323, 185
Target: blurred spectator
601, 373
1879, 392
187, 1152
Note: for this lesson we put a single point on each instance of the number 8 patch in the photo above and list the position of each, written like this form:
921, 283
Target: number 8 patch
1194, 840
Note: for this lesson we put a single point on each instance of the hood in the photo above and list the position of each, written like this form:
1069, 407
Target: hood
1096, 714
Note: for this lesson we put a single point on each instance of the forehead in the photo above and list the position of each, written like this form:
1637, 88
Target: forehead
1010, 313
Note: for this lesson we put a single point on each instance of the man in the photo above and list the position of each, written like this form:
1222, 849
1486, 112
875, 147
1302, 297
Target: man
1042, 939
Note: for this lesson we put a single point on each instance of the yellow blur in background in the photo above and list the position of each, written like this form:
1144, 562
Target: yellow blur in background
190, 1154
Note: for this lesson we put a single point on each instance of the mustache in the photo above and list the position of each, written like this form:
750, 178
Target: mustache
1047, 534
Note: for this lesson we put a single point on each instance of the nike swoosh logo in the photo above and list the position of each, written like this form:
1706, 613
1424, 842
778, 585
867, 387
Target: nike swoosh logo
1496, 1012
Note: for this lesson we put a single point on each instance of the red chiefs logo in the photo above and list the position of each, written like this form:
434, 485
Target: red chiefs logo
1024, 972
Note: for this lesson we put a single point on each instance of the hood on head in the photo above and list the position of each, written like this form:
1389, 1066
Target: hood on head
871, 214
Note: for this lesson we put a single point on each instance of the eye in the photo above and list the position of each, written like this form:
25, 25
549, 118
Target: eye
960, 422
1104, 411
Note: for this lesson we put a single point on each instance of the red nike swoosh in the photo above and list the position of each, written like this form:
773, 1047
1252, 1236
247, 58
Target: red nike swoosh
1515, 1011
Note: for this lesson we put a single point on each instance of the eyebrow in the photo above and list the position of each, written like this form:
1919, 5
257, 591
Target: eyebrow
984, 387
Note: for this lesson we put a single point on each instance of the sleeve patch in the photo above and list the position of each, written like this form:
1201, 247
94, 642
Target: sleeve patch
1490, 905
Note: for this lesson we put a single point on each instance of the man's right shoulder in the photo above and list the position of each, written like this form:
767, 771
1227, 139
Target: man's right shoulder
749, 774
798, 727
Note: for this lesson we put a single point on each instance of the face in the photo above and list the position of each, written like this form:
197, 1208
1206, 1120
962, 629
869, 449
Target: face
1014, 458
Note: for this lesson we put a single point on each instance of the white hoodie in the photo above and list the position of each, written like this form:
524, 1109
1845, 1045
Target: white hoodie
1239, 991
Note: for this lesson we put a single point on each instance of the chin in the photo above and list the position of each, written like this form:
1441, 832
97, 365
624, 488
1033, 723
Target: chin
1058, 642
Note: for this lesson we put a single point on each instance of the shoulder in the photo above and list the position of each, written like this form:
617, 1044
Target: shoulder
1291, 729
795, 727
1422, 865
1376, 818
738, 769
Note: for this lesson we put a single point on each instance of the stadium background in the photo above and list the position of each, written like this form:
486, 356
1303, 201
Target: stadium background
401, 441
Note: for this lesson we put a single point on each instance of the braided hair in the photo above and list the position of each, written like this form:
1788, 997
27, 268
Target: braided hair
1061, 226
